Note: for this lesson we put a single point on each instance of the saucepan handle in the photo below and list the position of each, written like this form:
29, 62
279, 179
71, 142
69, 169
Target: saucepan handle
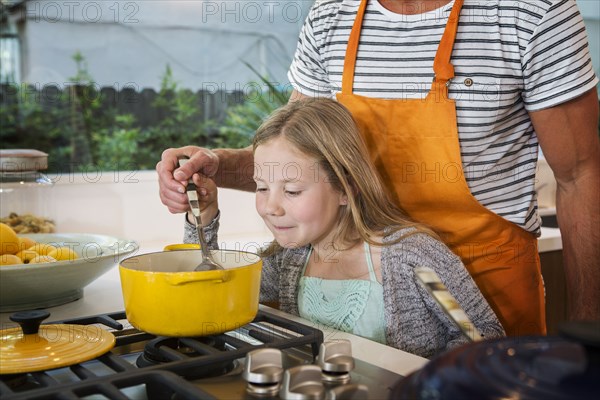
182, 278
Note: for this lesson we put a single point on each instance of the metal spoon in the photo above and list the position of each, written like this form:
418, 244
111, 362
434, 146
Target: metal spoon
207, 263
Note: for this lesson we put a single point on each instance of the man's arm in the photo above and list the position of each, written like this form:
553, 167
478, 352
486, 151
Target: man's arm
236, 166
568, 136
236, 169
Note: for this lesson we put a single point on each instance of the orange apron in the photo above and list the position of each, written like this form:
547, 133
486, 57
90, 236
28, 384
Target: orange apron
414, 145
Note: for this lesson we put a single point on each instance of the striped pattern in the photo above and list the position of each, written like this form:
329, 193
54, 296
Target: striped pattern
510, 57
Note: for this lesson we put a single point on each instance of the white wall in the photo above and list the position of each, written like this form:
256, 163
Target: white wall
590, 10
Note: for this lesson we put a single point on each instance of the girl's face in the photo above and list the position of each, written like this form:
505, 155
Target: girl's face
293, 196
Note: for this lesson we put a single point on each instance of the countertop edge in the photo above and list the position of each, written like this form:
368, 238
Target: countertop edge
550, 240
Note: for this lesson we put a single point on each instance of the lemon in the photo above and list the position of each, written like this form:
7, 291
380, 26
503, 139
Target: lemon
27, 255
63, 254
42, 260
25, 243
42, 248
9, 259
9, 241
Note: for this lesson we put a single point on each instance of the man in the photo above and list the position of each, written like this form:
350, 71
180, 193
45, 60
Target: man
452, 100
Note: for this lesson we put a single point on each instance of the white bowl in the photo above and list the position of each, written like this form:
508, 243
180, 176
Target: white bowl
31, 286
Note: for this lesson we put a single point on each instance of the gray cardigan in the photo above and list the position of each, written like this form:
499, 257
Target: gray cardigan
414, 321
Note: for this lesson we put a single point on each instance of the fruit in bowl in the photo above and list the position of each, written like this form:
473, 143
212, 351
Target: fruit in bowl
56, 268
28, 251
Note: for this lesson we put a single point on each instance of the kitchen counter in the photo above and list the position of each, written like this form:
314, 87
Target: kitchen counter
104, 296
550, 240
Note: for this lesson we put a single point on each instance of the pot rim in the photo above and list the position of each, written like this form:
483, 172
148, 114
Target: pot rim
249, 264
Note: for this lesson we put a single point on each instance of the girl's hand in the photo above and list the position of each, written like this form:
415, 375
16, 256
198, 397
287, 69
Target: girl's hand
207, 199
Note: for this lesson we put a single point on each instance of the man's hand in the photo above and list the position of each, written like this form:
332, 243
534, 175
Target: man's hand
172, 179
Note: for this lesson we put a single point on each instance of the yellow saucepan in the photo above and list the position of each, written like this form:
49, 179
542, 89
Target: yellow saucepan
164, 296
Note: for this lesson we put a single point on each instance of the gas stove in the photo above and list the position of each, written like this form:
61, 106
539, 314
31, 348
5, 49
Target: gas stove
272, 357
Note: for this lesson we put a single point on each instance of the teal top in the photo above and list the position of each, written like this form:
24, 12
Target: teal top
349, 305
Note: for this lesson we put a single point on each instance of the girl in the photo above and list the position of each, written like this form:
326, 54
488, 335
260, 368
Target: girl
344, 255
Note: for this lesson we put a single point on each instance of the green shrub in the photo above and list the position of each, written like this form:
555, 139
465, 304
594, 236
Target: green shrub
242, 120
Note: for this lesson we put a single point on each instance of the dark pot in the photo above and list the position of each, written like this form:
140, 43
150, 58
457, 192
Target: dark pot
542, 367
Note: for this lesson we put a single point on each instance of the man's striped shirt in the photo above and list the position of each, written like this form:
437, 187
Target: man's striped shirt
510, 57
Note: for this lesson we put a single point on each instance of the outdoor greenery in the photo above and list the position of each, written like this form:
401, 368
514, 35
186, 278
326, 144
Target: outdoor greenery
242, 120
80, 129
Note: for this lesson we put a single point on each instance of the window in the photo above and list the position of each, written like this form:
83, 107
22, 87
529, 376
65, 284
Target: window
10, 58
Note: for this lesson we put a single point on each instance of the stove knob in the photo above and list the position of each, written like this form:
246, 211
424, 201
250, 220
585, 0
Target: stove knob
263, 366
348, 392
302, 382
263, 371
336, 361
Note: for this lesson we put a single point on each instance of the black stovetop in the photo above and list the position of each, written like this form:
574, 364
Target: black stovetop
113, 373
146, 366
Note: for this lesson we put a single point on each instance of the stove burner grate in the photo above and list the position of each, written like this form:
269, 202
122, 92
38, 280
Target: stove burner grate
168, 349
119, 373
159, 384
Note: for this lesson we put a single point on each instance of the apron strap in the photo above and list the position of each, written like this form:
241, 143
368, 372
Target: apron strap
352, 50
442, 67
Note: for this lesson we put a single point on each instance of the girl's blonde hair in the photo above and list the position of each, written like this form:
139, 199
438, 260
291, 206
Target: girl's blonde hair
324, 129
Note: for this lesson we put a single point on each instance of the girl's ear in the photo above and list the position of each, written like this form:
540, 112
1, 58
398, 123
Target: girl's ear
344, 196
343, 200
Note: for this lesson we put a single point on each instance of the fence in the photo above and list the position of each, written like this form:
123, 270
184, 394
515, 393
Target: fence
212, 105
